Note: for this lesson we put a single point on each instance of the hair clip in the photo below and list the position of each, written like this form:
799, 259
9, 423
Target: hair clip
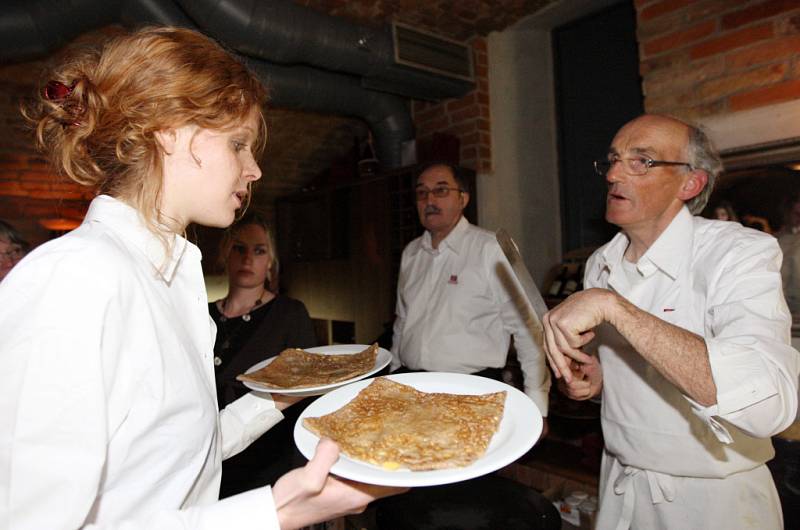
56, 90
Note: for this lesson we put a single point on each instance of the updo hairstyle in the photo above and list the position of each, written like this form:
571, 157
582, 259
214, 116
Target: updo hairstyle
98, 126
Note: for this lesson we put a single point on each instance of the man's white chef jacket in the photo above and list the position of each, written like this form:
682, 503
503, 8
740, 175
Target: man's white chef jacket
456, 310
722, 282
108, 413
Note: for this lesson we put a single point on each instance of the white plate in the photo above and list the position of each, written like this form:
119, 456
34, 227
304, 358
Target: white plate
381, 360
519, 430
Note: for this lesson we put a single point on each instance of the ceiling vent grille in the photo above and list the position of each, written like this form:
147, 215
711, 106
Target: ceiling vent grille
423, 50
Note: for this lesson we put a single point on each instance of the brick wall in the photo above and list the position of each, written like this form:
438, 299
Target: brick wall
703, 57
29, 189
467, 118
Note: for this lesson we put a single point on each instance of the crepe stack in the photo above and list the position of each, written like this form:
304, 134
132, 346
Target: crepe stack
395, 426
296, 368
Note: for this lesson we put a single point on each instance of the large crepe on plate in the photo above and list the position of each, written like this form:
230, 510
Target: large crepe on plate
392, 425
296, 368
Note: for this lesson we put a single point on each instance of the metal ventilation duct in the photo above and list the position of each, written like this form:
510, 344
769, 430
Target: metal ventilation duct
34, 28
284, 32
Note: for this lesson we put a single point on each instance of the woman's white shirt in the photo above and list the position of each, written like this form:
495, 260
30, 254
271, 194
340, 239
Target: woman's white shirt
108, 415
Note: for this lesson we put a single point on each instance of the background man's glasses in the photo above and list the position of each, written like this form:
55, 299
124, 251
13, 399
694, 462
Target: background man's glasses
439, 192
634, 166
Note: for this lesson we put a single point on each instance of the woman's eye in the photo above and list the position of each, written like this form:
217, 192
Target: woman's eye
260, 251
239, 249
238, 146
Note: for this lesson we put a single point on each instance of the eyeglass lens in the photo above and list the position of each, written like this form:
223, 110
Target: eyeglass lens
438, 192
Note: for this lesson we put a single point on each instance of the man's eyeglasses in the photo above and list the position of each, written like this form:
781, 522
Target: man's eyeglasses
440, 192
12, 254
635, 165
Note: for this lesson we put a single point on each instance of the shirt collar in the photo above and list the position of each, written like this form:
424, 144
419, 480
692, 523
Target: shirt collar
125, 221
667, 253
454, 240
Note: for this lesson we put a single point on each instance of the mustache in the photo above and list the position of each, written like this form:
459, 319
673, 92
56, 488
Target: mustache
431, 209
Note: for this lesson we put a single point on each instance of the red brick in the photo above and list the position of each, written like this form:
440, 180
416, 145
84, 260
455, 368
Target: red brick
481, 70
61, 195
732, 40
656, 27
662, 8
483, 125
662, 62
770, 51
786, 91
434, 125
469, 152
39, 176
484, 111
706, 8
427, 114
699, 111
466, 114
470, 139
680, 79
729, 84
67, 186
486, 165
458, 104
679, 39
756, 12
485, 152
462, 128
788, 25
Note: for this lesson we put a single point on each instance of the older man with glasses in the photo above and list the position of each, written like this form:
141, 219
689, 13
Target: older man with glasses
455, 307
12, 248
684, 330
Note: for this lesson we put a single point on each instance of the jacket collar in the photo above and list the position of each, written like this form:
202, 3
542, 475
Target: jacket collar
125, 221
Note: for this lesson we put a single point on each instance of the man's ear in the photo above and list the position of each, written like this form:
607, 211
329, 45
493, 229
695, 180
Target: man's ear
166, 138
464, 199
695, 181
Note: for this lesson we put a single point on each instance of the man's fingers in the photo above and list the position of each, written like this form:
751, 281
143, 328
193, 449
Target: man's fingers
551, 349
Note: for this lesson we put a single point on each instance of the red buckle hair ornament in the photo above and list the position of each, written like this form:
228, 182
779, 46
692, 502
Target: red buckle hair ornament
56, 90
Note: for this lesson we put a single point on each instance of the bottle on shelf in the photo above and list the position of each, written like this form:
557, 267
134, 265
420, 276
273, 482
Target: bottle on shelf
569, 286
557, 285
574, 283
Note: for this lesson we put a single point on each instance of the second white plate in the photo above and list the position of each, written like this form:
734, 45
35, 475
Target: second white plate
519, 429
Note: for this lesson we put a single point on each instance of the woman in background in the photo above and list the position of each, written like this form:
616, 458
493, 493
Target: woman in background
108, 409
254, 323
12, 248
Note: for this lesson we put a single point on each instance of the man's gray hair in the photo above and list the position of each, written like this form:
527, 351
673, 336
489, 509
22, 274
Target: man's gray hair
701, 154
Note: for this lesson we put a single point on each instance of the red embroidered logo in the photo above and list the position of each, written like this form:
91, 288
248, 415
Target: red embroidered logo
453, 279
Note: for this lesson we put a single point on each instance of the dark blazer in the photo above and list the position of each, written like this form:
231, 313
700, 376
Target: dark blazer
285, 325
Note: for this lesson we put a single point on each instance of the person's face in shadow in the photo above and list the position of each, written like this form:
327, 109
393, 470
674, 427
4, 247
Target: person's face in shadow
250, 257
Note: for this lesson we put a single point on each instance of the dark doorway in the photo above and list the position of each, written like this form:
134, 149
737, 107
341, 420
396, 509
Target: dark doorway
598, 89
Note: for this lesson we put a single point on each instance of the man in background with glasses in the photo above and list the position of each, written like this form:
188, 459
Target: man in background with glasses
684, 329
455, 311
12, 248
